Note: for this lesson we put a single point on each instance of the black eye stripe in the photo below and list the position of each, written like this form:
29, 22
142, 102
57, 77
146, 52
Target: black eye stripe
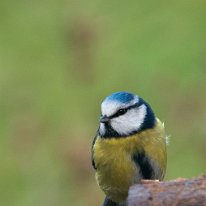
123, 111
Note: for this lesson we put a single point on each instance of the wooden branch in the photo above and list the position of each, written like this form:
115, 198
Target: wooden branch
179, 192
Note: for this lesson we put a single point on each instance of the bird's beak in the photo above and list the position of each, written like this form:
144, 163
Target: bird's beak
104, 119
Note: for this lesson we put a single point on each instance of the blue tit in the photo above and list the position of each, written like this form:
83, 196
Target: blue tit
130, 145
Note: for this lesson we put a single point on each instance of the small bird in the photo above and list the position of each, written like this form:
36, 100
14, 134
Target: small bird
130, 145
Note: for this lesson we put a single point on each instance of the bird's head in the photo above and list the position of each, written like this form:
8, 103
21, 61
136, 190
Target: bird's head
124, 114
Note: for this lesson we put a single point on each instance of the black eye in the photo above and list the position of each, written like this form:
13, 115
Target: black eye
122, 111
119, 112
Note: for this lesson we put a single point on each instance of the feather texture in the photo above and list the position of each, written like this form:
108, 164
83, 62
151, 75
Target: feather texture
116, 167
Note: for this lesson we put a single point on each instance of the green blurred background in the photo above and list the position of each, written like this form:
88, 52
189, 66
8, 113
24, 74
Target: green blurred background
58, 61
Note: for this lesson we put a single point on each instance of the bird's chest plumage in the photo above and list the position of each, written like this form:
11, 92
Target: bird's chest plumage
116, 170
121, 162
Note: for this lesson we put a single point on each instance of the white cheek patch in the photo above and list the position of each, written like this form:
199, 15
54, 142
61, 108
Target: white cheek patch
102, 129
130, 121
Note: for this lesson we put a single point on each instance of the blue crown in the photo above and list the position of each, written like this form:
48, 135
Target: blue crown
122, 97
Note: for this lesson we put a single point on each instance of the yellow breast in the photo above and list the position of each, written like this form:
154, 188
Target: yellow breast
116, 170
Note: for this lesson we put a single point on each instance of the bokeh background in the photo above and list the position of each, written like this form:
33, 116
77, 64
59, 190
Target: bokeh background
58, 61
